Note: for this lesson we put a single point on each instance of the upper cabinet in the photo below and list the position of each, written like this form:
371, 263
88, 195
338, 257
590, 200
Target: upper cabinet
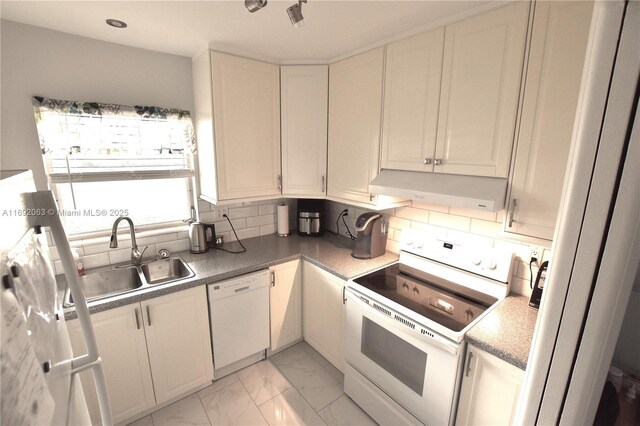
411, 98
355, 105
481, 75
355, 111
556, 59
451, 95
304, 97
237, 104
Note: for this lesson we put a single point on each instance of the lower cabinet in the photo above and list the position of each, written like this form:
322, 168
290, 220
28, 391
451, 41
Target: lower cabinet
285, 303
324, 313
152, 351
490, 390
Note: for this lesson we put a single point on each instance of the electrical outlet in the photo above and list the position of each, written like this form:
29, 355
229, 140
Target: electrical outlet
537, 253
219, 212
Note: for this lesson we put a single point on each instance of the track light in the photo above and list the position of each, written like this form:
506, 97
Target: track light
254, 5
295, 14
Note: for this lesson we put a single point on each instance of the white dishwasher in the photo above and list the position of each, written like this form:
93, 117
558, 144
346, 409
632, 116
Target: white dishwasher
239, 312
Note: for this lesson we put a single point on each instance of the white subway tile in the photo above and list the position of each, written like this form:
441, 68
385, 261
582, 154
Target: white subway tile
119, 256
473, 213
243, 234
399, 223
240, 212
390, 233
182, 235
393, 246
268, 229
523, 270
267, 209
485, 227
429, 206
177, 245
95, 260
413, 214
171, 236
522, 251
261, 220
501, 214
430, 230
204, 206
100, 248
57, 267
459, 223
207, 217
397, 235
520, 286
223, 226
468, 239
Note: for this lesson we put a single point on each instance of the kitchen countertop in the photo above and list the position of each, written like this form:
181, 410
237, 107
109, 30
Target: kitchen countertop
329, 252
506, 331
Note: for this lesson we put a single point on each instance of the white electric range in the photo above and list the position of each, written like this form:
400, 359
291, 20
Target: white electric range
406, 325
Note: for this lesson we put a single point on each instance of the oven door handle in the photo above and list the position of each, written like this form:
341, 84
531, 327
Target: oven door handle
436, 340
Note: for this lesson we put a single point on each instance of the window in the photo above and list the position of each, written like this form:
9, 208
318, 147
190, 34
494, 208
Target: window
105, 161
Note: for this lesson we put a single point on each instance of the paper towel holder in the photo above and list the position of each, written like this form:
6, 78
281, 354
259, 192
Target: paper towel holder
282, 220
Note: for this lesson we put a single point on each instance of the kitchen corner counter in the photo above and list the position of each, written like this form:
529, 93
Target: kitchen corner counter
329, 252
506, 332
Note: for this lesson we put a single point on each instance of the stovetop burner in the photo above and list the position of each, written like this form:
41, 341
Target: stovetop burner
443, 302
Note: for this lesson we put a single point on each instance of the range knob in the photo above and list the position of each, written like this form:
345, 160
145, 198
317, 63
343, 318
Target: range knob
405, 286
491, 264
416, 291
476, 261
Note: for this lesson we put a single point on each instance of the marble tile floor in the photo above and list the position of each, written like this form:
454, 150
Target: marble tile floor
294, 387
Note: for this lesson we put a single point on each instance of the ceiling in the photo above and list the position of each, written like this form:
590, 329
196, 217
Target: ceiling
333, 29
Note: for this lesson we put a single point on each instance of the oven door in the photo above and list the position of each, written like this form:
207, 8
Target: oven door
418, 371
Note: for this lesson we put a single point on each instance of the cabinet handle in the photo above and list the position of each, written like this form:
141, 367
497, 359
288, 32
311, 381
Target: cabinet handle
514, 203
468, 364
273, 279
437, 162
279, 182
427, 161
137, 318
148, 316
344, 296
322, 183
371, 197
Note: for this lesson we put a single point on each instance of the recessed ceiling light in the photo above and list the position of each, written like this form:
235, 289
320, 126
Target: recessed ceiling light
116, 23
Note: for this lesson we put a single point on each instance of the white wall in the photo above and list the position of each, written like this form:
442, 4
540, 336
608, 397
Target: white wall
37, 61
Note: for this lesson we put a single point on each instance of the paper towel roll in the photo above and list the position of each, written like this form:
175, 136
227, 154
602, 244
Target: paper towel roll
283, 220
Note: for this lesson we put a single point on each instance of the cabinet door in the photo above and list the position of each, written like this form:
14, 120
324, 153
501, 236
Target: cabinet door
558, 48
285, 300
324, 313
481, 75
177, 328
490, 390
411, 96
121, 341
304, 93
246, 110
355, 102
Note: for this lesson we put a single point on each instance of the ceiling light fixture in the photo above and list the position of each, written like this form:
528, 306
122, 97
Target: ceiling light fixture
295, 14
116, 23
254, 5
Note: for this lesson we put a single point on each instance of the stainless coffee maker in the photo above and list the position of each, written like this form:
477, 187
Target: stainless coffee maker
372, 236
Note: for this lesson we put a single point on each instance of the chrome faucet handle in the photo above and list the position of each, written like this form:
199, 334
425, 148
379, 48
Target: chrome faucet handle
164, 253
136, 255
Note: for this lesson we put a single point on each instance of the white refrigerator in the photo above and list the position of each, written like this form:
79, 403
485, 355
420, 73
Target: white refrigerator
38, 369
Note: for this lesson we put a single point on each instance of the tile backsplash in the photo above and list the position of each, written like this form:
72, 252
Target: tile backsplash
256, 218
480, 228
250, 219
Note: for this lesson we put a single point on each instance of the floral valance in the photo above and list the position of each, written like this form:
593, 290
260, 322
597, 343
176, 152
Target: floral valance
99, 109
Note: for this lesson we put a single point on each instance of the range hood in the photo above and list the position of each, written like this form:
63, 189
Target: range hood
474, 192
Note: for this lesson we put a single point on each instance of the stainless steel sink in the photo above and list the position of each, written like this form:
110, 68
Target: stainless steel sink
165, 270
126, 278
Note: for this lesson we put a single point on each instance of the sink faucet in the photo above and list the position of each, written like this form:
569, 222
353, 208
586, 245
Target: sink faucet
136, 255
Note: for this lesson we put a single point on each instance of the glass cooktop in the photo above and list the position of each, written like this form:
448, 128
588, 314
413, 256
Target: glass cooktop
450, 305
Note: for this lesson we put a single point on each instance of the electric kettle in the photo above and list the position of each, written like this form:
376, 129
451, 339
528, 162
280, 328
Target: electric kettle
198, 236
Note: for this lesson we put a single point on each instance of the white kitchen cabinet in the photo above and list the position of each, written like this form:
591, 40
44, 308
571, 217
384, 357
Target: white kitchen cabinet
324, 313
556, 59
413, 70
481, 73
355, 109
285, 302
177, 330
121, 342
490, 390
304, 96
151, 351
237, 103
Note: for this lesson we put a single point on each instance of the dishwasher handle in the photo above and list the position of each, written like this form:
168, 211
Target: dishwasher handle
241, 289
